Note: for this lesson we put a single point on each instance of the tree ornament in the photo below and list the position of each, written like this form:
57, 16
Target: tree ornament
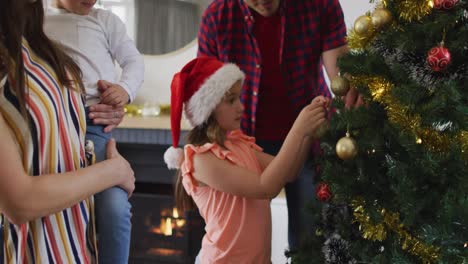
444, 4
363, 25
323, 192
322, 129
339, 85
336, 250
438, 58
346, 147
381, 18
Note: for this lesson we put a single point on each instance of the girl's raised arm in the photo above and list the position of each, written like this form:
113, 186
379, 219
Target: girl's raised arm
228, 177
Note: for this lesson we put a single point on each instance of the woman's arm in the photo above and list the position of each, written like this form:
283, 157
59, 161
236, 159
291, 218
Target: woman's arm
24, 198
227, 177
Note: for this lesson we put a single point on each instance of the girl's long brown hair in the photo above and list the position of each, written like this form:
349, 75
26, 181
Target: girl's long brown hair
20, 18
208, 132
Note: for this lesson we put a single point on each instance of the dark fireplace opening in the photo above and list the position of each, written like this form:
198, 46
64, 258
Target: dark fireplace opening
160, 233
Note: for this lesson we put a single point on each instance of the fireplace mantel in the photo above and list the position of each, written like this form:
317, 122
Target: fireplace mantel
159, 122
148, 130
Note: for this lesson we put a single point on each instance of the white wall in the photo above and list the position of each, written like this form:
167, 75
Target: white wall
279, 236
160, 69
353, 9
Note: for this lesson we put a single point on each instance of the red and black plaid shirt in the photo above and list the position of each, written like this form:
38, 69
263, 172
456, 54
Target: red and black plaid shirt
309, 27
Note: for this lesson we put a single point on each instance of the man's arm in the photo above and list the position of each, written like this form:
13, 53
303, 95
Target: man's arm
329, 59
334, 46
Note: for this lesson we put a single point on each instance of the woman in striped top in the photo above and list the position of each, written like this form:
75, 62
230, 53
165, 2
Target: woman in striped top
46, 204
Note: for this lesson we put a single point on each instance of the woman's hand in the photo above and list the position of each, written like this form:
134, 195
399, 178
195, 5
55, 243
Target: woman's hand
103, 114
124, 172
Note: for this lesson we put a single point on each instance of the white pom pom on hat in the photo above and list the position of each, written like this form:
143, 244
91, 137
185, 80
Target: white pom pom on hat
173, 157
198, 88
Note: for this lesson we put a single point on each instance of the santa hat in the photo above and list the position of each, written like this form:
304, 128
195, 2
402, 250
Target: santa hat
198, 88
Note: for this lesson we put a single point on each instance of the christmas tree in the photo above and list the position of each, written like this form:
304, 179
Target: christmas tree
394, 177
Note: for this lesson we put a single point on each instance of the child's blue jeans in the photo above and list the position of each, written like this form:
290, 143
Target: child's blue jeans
112, 209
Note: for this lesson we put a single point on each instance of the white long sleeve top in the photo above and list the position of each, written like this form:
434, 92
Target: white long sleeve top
95, 42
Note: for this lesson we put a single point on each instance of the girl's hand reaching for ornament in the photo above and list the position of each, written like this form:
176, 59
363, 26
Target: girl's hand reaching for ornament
311, 117
323, 101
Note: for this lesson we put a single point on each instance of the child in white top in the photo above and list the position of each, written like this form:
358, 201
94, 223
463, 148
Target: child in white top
230, 179
95, 38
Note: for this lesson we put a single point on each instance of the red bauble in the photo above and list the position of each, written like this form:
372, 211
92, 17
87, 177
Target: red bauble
323, 192
438, 58
444, 4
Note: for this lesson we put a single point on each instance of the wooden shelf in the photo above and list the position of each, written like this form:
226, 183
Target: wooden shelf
158, 122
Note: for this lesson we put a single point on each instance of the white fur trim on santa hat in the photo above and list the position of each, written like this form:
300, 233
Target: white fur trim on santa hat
210, 93
173, 157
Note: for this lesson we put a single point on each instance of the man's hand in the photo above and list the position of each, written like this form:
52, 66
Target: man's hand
112, 94
103, 114
353, 98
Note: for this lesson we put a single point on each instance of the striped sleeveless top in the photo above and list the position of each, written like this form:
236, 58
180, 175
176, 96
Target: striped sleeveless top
53, 143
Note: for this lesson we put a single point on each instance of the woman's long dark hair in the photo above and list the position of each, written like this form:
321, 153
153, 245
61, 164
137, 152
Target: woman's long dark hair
12, 20
20, 18
208, 132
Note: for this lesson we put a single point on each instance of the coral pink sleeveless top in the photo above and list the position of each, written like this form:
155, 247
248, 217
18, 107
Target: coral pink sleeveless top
238, 229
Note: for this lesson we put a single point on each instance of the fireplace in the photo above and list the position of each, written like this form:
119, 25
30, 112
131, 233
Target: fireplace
160, 233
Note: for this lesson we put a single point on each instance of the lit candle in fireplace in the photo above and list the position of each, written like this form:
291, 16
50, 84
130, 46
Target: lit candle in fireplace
178, 222
167, 227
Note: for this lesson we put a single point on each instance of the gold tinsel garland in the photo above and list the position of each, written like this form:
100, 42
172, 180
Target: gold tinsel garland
409, 10
357, 42
414, 10
401, 115
377, 232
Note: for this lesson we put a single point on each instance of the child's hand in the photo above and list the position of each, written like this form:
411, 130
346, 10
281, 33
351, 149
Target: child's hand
320, 100
112, 94
312, 116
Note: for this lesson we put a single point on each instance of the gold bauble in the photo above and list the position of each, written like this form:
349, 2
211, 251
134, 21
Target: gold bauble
322, 129
381, 17
346, 148
363, 25
339, 85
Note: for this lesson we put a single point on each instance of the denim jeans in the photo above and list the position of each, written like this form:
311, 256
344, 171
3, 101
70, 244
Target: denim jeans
299, 194
112, 209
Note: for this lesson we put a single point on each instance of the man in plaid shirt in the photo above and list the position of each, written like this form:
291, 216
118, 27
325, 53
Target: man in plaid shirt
281, 45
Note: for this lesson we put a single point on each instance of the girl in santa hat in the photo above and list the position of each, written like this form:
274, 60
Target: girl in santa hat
221, 170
